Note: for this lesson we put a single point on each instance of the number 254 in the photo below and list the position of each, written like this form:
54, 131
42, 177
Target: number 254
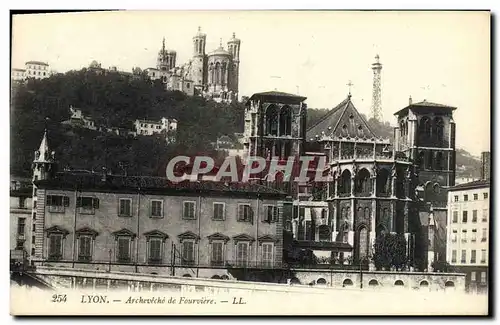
59, 298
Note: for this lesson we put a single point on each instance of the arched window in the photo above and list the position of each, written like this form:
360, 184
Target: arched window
211, 73
383, 181
430, 160
421, 159
217, 73
187, 275
373, 283
425, 126
363, 182
345, 182
439, 160
285, 121
216, 277
438, 128
272, 120
321, 281
223, 73
424, 284
449, 284
399, 283
347, 283
324, 233
324, 213
294, 281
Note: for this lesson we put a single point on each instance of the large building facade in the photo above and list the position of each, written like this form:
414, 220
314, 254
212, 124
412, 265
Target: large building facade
213, 75
150, 225
468, 232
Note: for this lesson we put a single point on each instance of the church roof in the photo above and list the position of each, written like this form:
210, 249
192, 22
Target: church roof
278, 96
220, 51
342, 121
425, 104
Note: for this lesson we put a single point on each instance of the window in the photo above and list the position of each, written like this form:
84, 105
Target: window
466, 197
86, 205
217, 257
125, 208
219, 211
483, 256
21, 225
123, 254
474, 215
464, 236
245, 213
456, 198
455, 217
483, 237
475, 196
156, 208
485, 195
464, 256
483, 277
57, 203
267, 254
33, 239
453, 256
485, 215
454, 236
188, 252
270, 213
85, 248
474, 235
55, 247
242, 253
473, 256
473, 276
188, 210
154, 250
22, 201
34, 204
464, 216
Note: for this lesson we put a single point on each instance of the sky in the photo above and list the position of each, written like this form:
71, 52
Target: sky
442, 57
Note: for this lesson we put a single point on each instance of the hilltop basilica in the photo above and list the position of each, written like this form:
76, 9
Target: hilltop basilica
213, 75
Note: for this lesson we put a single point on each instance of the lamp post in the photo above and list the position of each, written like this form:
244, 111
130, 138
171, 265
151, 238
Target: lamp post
109, 265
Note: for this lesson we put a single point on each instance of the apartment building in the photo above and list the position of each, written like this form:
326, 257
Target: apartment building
468, 231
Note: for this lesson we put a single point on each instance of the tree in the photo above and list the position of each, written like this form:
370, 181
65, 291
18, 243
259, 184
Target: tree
390, 251
442, 266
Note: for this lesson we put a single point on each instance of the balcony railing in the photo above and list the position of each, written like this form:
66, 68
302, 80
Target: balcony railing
54, 257
84, 258
56, 208
155, 261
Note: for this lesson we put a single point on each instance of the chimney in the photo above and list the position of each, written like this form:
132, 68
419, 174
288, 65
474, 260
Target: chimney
410, 101
485, 165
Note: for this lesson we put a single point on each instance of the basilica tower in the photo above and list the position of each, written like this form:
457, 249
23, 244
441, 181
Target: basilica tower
198, 65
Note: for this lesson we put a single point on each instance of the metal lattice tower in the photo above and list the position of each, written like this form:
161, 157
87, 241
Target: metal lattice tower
377, 90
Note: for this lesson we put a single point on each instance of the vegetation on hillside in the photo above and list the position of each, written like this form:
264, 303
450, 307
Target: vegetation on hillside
112, 100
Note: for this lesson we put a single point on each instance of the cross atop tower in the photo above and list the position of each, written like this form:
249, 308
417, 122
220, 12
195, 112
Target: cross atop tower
350, 84
220, 44
163, 47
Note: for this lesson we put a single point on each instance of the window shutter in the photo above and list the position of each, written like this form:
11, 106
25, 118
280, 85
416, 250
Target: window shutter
96, 203
264, 213
250, 214
49, 200
66, 201
276, 214
78, 202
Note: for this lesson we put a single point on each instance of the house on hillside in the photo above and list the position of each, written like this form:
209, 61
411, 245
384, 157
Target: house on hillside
165, 126
78, 119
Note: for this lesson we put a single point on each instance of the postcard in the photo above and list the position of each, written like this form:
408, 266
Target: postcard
250, 163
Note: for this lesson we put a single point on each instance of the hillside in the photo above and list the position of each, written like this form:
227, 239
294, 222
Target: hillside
112, 100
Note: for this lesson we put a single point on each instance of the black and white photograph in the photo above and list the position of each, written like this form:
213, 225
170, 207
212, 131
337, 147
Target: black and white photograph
312, 162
